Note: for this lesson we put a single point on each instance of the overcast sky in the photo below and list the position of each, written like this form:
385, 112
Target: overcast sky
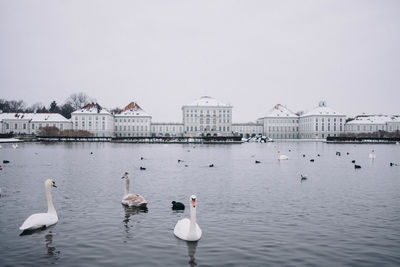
164, 54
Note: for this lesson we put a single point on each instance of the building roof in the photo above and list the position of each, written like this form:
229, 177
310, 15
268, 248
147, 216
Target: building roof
374, 119
34, 117
280, 111
92, 108
208, 101
322, 110
132, 109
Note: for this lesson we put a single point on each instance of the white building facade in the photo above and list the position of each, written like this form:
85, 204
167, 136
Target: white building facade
207, 116
167, 129
132, 121
321, 122
31, 123
373, 123
280, 123
94, 119
247, 130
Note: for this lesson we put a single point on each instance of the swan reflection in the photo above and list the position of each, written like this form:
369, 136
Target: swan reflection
191, 246
51, 250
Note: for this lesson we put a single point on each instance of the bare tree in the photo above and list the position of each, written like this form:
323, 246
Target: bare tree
78, 100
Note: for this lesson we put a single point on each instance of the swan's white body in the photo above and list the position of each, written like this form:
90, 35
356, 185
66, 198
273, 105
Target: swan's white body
39, 220
188, 229
132, 200
282, 157
14, 146
372, 155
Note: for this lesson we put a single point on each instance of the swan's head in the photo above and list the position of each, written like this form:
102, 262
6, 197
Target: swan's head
125, 175
193, 200
50, 182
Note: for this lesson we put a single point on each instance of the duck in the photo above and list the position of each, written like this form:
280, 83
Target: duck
303, 178
142, 168
211, 165
177, 205
311, 160
282, 157
6, 161
257, 161
304, 155
141, 158
372, 155
188, 229
353, 161
41, 220
15, 146
132, 200
357, 166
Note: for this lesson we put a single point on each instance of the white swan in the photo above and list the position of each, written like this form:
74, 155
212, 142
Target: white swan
39, 220
188, 229
15, 146
282, 157
372, 155
132, 200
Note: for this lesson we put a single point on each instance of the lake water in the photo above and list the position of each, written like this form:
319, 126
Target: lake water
250, 214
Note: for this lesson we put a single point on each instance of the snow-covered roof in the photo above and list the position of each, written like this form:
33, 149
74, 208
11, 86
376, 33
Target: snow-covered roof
208, 101
132, 109
92, 108
280, 111
322, 110
374, 119
34, 117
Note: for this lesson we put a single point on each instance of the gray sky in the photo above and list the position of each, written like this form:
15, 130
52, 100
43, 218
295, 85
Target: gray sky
163, 54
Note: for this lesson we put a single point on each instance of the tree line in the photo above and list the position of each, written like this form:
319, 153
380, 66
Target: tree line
72, 103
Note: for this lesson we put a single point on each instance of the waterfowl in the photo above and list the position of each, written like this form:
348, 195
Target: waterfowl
142, 168
132, 200
177, 205
303, 178
15, 146
357, 166
211, 165
6, 161
141, 158
318, 155
257, 161
188, 229
39, 220
304, 155
353, 161
311, 160
372, 155
282, 157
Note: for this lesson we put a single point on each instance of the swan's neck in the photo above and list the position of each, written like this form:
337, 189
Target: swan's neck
192, 216
126, 186
50, 206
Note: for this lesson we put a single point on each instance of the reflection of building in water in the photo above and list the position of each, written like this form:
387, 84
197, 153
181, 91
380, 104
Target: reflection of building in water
191, 251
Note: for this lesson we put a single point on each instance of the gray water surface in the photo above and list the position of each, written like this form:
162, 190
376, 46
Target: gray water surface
250, 214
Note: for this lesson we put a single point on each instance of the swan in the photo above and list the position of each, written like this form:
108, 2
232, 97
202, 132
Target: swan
282, 157
372, 155
39, 220
14, 146
132, 200
188, 229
